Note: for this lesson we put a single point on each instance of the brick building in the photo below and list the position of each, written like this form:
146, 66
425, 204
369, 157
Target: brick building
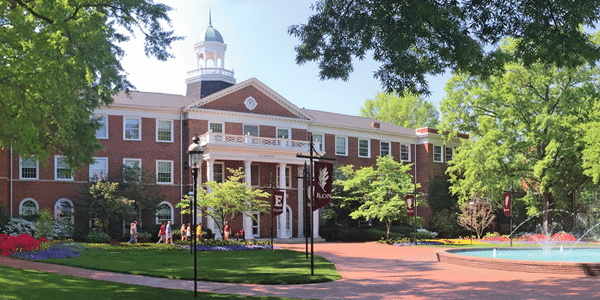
241, 125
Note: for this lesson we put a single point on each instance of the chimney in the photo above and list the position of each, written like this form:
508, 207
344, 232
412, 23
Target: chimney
375, 125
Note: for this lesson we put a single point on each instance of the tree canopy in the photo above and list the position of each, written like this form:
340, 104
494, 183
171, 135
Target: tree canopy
381, 192
412, 39
527, 126
410, 111
228, 198
61, 61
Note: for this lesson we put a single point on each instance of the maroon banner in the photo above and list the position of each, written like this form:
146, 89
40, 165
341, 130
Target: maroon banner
506, 204
410, 205
278, 197
323, 182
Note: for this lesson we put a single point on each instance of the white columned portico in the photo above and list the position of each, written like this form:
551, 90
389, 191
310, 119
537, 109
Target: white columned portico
282, 224
247, 221
210, 171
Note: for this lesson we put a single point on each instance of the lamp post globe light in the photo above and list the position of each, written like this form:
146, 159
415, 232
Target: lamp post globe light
195, 160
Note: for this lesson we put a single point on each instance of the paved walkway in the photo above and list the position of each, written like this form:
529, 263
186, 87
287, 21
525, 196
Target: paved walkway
374, 271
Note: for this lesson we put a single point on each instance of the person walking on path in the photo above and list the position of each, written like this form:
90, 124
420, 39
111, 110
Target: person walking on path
169, 233
162, 233
188, 232
227, 230
133, 233
183, 232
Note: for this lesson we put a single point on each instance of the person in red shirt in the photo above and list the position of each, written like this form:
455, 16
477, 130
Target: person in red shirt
162, 233
227, 230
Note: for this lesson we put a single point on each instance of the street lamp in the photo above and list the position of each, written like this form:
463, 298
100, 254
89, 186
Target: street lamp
472, 226
195, 160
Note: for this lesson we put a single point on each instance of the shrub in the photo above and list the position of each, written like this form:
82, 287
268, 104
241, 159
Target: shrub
99, 237
18, 226
10, 244
176, 235
45, 224
144, 237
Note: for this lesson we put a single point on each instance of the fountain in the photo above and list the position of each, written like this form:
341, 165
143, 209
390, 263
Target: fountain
547, 258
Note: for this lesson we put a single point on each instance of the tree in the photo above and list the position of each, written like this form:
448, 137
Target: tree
140, 186
61, 61
381, 192
101, 200
228, 199
412, 39
476, 216
410, 111
525, 126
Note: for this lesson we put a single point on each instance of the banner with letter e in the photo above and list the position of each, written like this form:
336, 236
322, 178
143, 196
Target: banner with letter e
506, 204
278, 197
323, 183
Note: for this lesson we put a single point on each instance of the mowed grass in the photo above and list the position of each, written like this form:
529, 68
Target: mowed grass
22, 284
252, 266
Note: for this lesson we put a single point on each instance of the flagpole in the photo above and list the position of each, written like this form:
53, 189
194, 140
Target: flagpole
511, 214
272, 203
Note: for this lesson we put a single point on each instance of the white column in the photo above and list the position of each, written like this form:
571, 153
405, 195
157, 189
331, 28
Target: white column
316, 224
300, 202
210, 171
247, 221
281, 230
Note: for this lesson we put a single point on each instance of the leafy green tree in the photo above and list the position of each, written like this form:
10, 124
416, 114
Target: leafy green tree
381, 192
525, 125
61, 61
412, 39
228, 198
140, 186
338, 211
444, 208
101, 200
410, 111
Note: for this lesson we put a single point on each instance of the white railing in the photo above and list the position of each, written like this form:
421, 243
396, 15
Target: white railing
211, 71
253, 141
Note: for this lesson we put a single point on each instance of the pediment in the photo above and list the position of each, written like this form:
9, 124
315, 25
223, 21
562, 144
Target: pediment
252, 97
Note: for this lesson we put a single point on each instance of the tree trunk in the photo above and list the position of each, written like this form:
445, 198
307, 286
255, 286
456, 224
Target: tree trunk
388, 224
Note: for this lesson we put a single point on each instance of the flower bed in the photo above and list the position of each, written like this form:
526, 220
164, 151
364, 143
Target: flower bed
10, 244
55, 251
228, 248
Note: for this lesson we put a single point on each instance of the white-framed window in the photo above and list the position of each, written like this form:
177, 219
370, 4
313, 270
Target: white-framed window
216, 127
102, 132
164, 171
99, 169
61, 169
164, 131
132, 129
164, 213
437, 153
28, 168
364, 148
319, 141
283, 133
256, 224
251, 130
254, 175
341, 145
449, 155
288, 176
63, 210
218, 172
28, 206
404, 152
384, 149
135, 163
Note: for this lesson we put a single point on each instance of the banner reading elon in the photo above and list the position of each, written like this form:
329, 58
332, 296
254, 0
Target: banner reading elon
323, 182
506, 204
410, 205
278, 202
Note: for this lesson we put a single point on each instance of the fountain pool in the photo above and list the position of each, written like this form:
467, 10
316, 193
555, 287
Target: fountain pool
576, 261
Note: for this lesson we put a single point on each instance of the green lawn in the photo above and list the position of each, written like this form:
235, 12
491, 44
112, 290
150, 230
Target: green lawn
22, 284
252, 266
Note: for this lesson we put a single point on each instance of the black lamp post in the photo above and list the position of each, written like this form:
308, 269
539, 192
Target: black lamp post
195, 160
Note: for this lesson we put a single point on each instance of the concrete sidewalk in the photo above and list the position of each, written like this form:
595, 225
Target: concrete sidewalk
374, 271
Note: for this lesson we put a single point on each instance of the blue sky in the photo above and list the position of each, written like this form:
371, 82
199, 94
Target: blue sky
258, 45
